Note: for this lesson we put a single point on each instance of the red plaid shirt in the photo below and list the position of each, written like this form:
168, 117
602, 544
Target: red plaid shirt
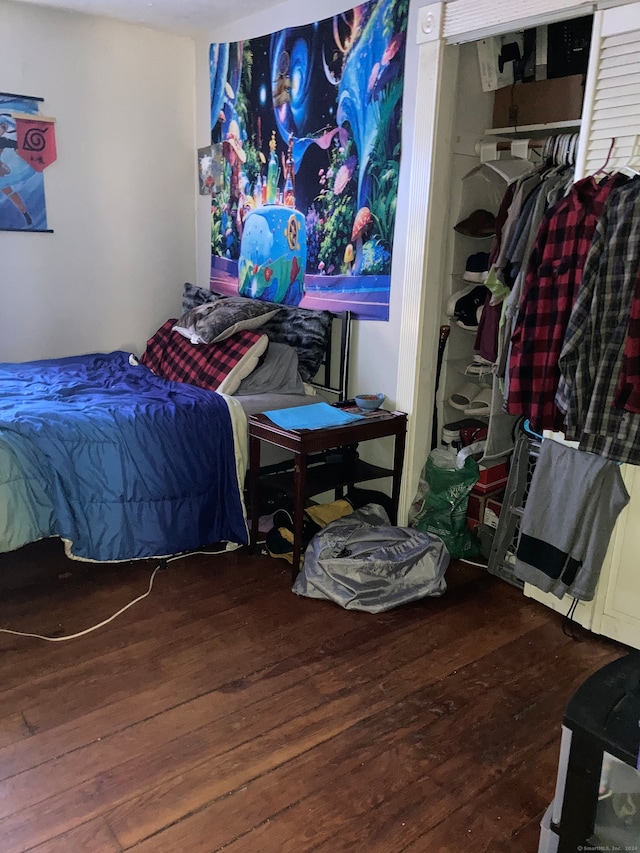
170, 355
553, 278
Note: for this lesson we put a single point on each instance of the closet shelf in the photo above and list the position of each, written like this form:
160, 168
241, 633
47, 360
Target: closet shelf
528, 129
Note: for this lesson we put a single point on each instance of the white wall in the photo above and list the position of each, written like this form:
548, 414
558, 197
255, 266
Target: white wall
374, 365
120, 197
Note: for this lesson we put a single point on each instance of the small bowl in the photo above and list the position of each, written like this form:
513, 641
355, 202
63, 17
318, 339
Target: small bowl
370, 402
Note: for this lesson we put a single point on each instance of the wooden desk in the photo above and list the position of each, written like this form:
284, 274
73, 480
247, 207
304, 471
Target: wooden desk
307, 480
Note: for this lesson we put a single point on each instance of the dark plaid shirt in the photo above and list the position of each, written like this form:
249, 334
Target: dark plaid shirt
628, 390
172, 356
591, 358
553, 277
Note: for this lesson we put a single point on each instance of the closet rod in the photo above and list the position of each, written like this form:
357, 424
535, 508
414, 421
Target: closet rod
507, 146
560, 148
532, 143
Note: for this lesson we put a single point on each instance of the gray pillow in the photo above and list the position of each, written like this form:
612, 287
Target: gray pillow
216, 321
278, 374
305, 330
192, 296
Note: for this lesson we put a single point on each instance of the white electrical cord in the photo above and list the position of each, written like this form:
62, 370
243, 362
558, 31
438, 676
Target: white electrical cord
230, 546
472, 563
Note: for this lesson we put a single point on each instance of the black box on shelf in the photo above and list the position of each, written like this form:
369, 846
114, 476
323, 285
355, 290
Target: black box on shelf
568, 45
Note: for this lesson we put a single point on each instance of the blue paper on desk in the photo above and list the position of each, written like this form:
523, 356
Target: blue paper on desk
316, 416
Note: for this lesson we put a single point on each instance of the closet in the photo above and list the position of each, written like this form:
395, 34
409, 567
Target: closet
611, 111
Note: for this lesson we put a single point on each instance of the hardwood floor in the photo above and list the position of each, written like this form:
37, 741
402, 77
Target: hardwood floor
224, 712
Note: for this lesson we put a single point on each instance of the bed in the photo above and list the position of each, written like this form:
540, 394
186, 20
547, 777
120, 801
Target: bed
308, 354
126, 458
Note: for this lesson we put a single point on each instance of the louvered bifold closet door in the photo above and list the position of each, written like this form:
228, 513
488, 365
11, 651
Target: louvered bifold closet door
470, 20
612, 103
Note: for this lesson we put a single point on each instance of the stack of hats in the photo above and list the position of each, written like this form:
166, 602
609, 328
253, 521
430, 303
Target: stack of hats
466, 304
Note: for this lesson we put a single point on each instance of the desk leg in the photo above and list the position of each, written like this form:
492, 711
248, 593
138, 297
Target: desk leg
299, 479
254, 470
398, 461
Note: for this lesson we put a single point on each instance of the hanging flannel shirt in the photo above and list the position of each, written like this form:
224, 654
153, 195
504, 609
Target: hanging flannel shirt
501, 218
486, 342
554, 187
523, 188
553, 277
591, 358
628, 390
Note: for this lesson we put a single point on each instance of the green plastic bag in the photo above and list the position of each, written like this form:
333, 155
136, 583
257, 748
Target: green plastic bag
444, 510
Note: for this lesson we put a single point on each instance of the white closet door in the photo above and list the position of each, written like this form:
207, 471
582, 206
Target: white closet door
611, 114
612, 111
469, 20
620, 617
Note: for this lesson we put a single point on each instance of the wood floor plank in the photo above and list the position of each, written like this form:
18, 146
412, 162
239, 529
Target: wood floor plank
457, 705
95, 836
499, 812
223, 712
385, 688
294, 720
294, 640
206, 672
81, 686
144, 704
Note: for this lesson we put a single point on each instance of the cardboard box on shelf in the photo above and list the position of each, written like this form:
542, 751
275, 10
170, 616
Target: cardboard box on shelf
539, 102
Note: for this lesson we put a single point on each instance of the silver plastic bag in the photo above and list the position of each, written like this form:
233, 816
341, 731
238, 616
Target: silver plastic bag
362, 562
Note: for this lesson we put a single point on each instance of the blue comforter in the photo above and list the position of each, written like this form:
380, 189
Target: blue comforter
118, 462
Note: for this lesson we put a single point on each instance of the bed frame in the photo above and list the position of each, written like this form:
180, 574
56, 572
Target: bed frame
332, 376
334, 367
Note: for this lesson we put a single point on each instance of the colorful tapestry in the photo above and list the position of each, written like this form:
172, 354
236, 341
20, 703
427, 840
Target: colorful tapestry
27, 146
310, 124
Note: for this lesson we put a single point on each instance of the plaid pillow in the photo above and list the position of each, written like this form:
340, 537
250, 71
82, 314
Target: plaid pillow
218, 366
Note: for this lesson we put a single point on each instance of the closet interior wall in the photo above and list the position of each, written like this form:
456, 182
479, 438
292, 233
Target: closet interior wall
473, 116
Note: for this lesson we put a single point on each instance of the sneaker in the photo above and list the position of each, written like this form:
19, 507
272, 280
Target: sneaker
477, 267
479, 366
469, 430
478, 359
477, 369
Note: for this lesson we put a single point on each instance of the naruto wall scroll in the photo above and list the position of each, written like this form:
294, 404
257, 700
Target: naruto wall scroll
309, 119
27, 147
